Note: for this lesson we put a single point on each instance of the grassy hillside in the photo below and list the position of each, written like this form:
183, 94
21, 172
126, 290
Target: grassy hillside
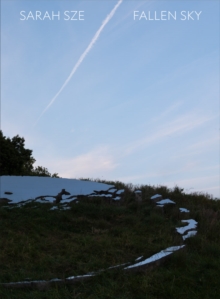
37, 243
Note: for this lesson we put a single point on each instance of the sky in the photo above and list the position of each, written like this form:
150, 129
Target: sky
115, 90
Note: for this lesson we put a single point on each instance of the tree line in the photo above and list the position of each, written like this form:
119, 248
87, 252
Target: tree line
15, 159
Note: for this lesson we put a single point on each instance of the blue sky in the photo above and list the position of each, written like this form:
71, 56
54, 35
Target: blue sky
142, 106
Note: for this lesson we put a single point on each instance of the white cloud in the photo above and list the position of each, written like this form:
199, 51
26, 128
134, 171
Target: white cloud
170, 109
204, 184
178, 126
83, 55
204, 144
95, 163
131, 178
197, 148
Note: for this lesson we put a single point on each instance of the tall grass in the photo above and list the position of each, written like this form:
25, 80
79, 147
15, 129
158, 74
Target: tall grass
37, 243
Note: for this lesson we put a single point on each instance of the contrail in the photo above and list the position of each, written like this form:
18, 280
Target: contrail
94, 39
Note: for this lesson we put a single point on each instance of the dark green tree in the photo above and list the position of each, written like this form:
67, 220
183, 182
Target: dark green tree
15, 159
42, 171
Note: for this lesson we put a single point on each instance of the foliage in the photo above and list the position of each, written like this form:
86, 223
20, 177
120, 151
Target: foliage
37, 243
42, 171
15, 159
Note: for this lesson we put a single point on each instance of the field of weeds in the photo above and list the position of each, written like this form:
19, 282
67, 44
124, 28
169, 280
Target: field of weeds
39, 244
